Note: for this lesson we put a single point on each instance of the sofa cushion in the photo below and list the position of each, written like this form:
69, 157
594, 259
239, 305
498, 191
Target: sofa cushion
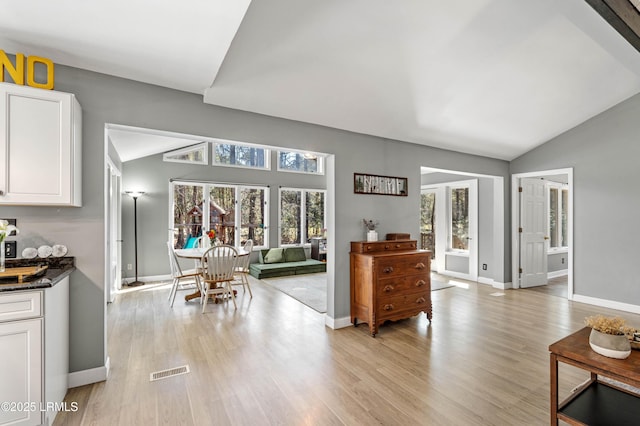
294, 254
274, 255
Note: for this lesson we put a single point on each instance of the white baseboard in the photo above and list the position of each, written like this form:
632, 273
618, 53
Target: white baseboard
150, 278
493, 283
335, 324
86, 377
612, 304
556, 274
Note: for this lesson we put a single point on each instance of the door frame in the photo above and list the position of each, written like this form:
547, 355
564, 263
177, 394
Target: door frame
443, 224
515, 222
113, 249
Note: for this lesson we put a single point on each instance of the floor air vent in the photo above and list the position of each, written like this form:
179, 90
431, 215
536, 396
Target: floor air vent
159, 375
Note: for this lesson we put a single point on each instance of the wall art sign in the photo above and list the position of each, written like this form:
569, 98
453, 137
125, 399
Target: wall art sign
380, 185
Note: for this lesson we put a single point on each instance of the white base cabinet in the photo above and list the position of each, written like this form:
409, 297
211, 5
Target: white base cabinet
40, 147
34, 354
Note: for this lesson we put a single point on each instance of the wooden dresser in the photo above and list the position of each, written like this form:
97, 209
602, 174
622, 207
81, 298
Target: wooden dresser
390, 280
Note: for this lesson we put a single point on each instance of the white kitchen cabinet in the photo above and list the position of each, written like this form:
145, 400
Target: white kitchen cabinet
21, 358
34, 354
40, 147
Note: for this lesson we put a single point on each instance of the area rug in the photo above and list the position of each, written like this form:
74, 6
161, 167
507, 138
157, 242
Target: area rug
310, 289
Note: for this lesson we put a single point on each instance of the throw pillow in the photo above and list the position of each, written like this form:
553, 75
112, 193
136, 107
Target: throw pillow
274, 255
294, 254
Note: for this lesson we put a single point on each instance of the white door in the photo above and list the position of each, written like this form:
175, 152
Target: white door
533, 228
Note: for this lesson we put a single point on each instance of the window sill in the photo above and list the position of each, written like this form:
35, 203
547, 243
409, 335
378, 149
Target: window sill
459, 253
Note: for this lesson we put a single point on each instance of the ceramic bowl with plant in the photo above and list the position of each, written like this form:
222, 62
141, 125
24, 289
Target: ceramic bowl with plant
609, 336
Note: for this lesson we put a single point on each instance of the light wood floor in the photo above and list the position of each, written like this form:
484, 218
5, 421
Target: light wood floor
483, 361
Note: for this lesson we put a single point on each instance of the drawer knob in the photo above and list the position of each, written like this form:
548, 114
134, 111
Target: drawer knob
420, 283
398, 246
388, 269
420, 265
386, 247
388, 307
388, 288
421, 300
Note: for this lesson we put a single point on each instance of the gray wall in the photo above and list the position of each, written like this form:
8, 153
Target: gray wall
105, 99
557, 262
604, 154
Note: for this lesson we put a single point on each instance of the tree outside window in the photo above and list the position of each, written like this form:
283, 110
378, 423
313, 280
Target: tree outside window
459, 219
302, 215
194, 201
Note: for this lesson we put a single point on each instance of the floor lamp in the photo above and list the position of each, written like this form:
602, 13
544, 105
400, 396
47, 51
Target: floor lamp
135, 195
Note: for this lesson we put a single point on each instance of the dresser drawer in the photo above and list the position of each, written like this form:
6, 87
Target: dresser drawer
394, 306
401, 285
383, 246
409, 264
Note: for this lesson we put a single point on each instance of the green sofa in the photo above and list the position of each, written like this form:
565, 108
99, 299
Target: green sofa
279, 262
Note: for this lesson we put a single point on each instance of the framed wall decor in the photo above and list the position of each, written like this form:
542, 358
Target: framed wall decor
380, 185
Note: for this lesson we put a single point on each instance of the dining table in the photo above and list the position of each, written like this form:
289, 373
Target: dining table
196, 254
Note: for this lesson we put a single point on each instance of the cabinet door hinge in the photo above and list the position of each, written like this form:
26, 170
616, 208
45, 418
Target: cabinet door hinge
520, 230
520, 270
519, 189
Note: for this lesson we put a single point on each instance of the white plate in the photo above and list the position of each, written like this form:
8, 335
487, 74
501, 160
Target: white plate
29, 253
59, 250
44, 251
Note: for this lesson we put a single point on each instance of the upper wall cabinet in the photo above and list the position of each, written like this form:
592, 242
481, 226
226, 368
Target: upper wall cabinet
40, 147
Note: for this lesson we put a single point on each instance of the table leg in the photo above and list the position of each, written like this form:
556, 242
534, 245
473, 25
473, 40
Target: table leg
194, 295
554, 388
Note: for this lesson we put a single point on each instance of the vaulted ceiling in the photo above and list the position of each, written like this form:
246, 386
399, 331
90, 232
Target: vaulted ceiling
489, 77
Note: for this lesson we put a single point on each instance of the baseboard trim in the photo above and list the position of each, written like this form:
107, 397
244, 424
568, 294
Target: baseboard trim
150, 278
338, 323
87, 377
612, 304
493, 283
556, 274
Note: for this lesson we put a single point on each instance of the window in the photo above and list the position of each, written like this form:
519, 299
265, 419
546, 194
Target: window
302, 215
252, 213
292, 161
195, 154
240, 155
459, 224
428, 221
194, 201
187, 213
558, 215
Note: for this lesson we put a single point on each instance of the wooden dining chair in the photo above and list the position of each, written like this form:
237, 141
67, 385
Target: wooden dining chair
218, 266
242, 270
178, 275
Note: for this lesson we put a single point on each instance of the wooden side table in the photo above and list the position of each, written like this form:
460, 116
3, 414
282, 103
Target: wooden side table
595, 402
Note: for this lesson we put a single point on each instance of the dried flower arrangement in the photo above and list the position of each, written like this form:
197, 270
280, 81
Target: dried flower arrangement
609, 325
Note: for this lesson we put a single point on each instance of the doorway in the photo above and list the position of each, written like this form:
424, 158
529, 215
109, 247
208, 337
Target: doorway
113, 189
542, 230
449, 227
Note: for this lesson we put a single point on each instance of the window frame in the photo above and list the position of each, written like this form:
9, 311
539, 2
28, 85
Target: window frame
561, 188
450, 249
267, 154
206, 188
301, 220
204, 162
321, 158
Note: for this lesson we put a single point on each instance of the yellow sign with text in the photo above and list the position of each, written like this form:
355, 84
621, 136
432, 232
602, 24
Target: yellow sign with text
17, 71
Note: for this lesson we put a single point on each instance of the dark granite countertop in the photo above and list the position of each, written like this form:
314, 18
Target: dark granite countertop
58, 268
